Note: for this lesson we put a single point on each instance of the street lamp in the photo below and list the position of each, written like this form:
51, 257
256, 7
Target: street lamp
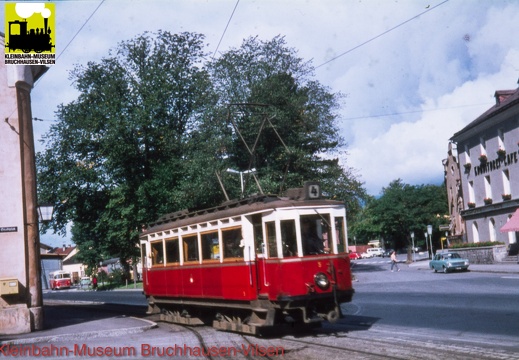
412, 238
45, 212
429, 231
251, 171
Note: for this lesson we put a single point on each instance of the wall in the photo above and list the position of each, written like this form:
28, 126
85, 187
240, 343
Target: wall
483, 255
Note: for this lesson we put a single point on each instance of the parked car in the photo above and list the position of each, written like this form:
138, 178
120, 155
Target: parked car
387, 253
375, 251
366, 255
447, 262
85, 282
354, 255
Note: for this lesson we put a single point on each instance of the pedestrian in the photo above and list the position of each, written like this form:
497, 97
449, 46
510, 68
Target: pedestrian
393, 261
94, 283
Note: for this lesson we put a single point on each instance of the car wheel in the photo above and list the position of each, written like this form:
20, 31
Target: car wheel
445, 271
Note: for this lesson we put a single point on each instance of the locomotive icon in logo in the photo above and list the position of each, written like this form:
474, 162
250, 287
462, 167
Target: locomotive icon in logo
23, 38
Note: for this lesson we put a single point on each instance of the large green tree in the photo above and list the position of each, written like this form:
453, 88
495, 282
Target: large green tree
114, 157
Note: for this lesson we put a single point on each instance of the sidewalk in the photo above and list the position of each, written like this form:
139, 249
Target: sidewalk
68, 322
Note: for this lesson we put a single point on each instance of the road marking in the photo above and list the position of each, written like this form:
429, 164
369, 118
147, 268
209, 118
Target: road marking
510, 277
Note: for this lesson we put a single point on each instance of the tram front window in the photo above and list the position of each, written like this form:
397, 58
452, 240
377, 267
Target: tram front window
288, 238
315, 234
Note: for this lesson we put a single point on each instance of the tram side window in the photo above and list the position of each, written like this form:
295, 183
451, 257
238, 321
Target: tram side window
172, 253
210, 246
231, 239
190, 248
271, 239
339, 230
288, 238
157, 253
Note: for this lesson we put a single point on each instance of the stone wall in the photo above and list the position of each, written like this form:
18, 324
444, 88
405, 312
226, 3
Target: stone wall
483, 255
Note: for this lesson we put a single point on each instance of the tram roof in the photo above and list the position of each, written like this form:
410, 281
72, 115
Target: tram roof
232, 208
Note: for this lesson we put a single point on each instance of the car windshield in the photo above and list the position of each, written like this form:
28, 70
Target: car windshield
452, 256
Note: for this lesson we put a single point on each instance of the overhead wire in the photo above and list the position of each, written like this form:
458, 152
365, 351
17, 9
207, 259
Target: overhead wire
412, 112
380, 35
225, 30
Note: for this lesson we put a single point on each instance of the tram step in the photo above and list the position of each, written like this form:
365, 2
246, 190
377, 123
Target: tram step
261, 310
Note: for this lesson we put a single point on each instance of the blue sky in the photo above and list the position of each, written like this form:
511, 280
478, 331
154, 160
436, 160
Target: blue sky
413, 71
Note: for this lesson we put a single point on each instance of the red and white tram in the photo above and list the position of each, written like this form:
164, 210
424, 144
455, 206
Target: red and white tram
250, 264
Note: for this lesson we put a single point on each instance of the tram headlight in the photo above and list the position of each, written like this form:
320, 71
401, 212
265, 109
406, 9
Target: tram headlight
321, 280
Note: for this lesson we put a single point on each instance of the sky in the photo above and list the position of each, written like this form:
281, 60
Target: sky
412, 72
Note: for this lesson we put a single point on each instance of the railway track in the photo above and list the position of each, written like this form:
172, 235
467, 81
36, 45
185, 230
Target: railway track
333, 344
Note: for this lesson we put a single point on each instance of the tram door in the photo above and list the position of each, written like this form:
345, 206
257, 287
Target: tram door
266, 248
145, 261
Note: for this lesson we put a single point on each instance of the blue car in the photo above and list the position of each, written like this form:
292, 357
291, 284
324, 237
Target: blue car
447, 262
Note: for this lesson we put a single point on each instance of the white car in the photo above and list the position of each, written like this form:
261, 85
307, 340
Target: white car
366, 255
375, 251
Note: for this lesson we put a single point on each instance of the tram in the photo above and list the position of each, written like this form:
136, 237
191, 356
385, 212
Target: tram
250, 264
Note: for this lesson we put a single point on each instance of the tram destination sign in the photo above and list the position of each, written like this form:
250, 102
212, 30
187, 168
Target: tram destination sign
4, 229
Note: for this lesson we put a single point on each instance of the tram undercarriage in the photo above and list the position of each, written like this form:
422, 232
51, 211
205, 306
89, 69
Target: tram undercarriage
253, 317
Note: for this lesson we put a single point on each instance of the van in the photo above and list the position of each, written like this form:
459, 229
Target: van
375, 251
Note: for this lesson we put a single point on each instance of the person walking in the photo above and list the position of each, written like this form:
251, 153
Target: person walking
393, 261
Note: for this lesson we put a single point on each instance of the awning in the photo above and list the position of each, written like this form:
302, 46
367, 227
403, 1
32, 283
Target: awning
512, 224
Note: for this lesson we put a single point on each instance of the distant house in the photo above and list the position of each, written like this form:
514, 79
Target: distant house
60, 258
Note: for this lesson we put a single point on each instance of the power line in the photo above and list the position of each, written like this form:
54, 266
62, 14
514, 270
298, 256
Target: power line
226, 26
81, 28
379, 35
411, 112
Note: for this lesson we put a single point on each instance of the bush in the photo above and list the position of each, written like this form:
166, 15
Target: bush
476, 245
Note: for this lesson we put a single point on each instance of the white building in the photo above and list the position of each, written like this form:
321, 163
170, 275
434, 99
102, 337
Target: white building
488, 157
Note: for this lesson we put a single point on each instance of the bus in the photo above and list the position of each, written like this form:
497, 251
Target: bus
60, 280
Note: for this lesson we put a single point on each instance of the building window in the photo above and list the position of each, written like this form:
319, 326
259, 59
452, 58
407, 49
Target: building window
471, 192
483, 145
506, 184
488, 188
475, 232
501, 138
492, 229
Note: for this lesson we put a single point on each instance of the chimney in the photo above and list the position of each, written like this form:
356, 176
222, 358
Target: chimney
502, 95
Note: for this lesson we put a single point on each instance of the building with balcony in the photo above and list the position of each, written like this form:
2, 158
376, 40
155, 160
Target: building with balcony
488, 166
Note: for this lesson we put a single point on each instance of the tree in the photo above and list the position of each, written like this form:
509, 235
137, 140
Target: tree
401, 209
115, 155
279, 120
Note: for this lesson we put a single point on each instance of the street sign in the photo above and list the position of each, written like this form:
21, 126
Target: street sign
8, 229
